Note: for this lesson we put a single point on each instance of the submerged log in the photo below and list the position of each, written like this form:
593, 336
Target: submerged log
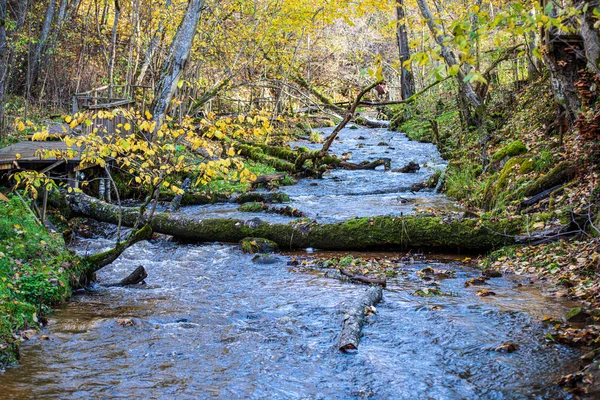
362, 278
136, 277
359, 233
410, 168
354, 318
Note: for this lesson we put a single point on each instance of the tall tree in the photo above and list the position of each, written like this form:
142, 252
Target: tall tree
406, 77
3, 59
36, 62
176, 60
466, 91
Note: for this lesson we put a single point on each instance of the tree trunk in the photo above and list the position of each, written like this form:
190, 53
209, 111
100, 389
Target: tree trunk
362, 233
3, 62
39, 51
113, 50
152, 46
466, 90
406, 77
591, 37
176, 61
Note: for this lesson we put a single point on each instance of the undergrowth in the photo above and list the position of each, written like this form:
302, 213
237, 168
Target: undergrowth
36, 270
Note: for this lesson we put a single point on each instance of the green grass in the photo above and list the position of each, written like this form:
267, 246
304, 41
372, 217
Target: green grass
35, 271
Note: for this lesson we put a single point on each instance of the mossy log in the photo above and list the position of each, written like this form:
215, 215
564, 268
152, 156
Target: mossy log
563, 172
98, 261
257, 154
255, 197
359, 233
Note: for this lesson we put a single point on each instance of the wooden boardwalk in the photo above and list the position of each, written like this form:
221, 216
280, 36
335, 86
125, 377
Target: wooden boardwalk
32, 154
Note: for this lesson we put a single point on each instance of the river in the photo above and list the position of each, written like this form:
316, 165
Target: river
211, 322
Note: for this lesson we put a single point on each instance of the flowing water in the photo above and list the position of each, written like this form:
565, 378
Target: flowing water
211, 322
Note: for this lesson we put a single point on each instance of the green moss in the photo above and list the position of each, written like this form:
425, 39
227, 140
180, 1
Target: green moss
513, 149
36, 270
252, 245
251, 207
527, 166
271, 197
561, 173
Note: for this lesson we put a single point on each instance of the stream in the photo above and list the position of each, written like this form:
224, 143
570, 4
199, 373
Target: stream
211, 322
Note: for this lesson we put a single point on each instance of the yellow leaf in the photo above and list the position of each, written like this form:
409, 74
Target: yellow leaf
18, 156
127, 126
68, 119
148, 115
231, 152
21, 126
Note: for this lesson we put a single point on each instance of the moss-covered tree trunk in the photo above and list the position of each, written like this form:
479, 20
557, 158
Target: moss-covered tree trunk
360, 233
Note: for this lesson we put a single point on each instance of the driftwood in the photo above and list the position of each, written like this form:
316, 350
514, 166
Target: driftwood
354, 318
136, 277
386, 162
425, 232
362, 278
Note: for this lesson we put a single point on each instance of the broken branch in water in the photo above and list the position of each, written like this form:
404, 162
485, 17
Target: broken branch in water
363, 278
354, 318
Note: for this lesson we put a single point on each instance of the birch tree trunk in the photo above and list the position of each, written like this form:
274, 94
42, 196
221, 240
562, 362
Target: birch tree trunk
176, 61
113, 49
406, 77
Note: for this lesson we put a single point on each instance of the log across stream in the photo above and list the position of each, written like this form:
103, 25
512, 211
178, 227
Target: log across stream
360, 233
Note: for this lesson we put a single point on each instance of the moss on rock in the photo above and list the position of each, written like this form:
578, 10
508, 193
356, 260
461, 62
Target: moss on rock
513, 149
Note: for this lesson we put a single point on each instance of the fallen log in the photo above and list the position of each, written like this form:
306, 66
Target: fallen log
267, 179
561, 173
386, 162
372, 123
538, 197
363, 279
354, 318
136, 277
361, 233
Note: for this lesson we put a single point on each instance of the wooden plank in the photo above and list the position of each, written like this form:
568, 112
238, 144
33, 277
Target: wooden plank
30, 152
110, 105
